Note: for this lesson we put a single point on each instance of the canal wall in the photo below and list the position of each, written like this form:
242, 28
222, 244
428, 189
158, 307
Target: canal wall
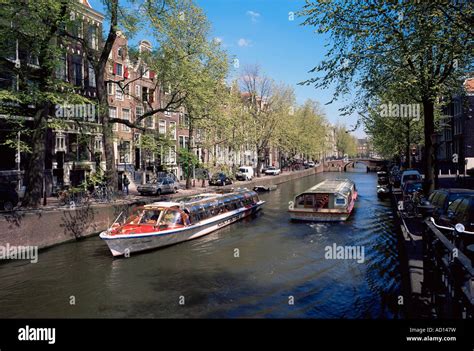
48, 227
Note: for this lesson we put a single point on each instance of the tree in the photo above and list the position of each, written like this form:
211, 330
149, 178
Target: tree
303, 132
32, 28
267, 104
346, 143
193, 66
395, 127
128, 19
375, 42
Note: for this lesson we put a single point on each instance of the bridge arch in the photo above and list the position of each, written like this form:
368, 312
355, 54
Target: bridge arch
352, 164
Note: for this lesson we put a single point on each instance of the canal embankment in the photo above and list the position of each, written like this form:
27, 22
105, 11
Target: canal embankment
53, 225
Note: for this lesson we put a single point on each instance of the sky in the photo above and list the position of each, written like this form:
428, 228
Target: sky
264, 32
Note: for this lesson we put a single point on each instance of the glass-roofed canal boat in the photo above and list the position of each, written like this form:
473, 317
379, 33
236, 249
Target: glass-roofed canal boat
165, 223
331, 200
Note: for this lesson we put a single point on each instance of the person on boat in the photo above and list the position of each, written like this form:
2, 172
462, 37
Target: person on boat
150, 217
186, 219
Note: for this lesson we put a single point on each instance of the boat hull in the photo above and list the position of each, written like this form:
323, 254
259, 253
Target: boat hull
121, 245
310, 216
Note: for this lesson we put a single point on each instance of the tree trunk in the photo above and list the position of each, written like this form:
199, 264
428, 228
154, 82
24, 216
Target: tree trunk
34, 172
407, 145
107, 135
102, 97
190, 149
259, 162
429, 154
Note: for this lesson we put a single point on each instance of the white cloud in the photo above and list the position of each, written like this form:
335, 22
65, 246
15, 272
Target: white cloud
253, 15
243, 42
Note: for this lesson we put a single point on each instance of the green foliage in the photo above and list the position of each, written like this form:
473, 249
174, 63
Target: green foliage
188, 160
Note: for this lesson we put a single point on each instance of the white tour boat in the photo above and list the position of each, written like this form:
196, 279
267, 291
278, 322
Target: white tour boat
330, 200
166, 223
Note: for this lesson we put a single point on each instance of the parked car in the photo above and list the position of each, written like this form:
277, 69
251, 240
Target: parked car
272, 171
220, 179
412, 186
439, 200
311, 164
244, 173
8, 197
410, 174
461, 211
158, 186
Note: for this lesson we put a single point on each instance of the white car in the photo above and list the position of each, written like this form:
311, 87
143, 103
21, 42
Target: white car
244, 173
311, 164
272, 171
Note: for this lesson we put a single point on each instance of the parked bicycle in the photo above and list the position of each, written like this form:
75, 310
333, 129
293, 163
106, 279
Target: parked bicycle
72, 197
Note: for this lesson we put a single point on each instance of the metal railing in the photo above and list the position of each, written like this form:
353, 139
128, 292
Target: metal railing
448, 274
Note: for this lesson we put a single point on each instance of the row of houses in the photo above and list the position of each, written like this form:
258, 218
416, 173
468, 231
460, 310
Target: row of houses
75, 150
454, 141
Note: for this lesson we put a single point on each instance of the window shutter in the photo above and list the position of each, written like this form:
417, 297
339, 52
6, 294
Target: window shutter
125, 73
115, 68
152, 74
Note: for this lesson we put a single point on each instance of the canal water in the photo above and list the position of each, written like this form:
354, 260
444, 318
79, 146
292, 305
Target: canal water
280, 271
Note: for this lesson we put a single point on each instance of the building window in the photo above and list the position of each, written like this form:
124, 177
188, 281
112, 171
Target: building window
162, 126
150, 122
138, 91
110, 88
126, 116
126, 90
61, 71
92, 37
77, 70
118, 93
173, 130
118, 69
120, 53
167, 113
172, 157
183, 120
183, 142
113, 114
91, 75
124, 151
139, 114
60, 143
145, 94
98, 144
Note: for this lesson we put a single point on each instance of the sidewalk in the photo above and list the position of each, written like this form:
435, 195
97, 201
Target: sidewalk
135, 197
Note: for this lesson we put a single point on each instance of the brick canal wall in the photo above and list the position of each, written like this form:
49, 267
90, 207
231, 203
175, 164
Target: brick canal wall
45, 228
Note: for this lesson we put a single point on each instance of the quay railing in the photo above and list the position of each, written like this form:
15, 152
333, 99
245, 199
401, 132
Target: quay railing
448, 275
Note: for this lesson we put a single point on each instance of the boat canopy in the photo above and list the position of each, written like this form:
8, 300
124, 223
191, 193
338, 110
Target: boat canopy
333, 186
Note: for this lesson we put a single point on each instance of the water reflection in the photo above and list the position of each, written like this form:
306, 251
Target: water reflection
277, 261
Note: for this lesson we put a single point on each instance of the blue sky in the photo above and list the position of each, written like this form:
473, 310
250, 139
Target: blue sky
262, 32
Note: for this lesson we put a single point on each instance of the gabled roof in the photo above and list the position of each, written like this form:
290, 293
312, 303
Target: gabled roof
86, 3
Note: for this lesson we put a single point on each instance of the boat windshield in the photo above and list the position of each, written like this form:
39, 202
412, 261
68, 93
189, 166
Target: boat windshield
172, 218
149, 216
